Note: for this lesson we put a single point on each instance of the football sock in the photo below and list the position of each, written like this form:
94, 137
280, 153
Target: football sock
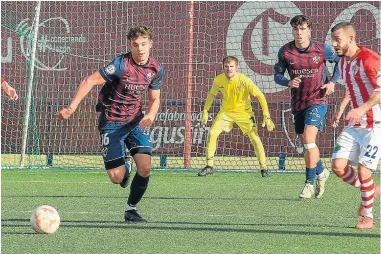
130, 207
367, 196
138, 187
319, 169
350, 176
310, 175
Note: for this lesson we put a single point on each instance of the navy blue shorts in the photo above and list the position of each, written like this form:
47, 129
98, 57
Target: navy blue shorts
115, 137
314, 115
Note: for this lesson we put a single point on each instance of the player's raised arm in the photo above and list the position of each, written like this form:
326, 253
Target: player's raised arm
83, 89
208, 103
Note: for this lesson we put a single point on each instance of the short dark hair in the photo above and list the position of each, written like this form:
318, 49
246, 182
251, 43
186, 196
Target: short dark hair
343, 25
137, 31
300, 19
229, 59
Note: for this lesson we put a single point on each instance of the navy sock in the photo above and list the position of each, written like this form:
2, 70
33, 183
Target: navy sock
310, 175
138, 187
319, 167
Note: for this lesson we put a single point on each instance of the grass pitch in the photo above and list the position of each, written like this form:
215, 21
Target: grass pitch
224, 213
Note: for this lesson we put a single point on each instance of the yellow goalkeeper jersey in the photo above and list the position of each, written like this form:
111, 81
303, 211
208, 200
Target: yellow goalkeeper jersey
236, 93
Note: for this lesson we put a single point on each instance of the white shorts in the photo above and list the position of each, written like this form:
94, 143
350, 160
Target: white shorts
359, 145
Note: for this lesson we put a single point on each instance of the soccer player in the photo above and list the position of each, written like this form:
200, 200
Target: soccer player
360, 141
10, 91
236, 89
305, 62
121, 121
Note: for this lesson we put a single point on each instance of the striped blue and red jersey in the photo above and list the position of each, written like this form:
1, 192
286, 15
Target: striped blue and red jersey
120, 99
310, 65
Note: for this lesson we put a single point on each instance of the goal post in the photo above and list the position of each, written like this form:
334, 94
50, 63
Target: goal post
77, 38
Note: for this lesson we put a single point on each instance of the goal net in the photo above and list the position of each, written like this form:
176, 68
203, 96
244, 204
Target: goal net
75, 39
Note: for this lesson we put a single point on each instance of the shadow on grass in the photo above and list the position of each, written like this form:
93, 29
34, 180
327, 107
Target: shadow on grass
225, 227
152, 198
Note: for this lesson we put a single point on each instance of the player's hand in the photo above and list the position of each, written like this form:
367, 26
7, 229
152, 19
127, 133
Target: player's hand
204, 119
12, 94
330, 86
336, 119
146, 121
65, 113
269, 123
294, 83
354, 115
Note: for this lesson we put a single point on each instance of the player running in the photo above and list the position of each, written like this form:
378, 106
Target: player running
121, 121
305, 62
360, 141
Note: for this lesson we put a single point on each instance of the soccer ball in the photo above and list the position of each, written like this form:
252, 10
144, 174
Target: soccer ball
45, 220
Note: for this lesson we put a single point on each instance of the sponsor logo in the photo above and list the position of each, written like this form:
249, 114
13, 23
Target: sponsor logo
336, 148
52, 46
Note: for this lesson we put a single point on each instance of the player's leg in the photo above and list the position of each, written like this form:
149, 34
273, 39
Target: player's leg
140, 147
299, 126
370, 140
221, 123
314, 122
246, 122
113, 151
128, 168
346, 154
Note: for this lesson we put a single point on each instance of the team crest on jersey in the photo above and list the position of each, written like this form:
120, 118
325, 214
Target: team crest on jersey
239, 88
150, 76
316, 59
355, 69
110, 69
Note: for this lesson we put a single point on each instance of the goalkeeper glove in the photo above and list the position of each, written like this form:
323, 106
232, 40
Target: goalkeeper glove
267, 121
204, 118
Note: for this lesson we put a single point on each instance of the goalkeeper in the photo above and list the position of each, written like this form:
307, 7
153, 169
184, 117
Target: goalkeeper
235, 108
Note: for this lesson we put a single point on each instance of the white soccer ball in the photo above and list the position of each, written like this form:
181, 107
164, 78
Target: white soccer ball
45, 220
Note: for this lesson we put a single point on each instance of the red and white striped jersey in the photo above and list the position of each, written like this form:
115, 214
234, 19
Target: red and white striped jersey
362, 76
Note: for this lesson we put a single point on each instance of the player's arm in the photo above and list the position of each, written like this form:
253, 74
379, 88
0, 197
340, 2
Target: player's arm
10, 91
84, 88
373, 72
343, 104
154, 100
153, 107
330, 55
280, 68
254, 90
208, 103
109, 73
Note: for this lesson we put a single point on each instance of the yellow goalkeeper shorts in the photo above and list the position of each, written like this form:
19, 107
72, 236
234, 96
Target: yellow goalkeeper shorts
225, 121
